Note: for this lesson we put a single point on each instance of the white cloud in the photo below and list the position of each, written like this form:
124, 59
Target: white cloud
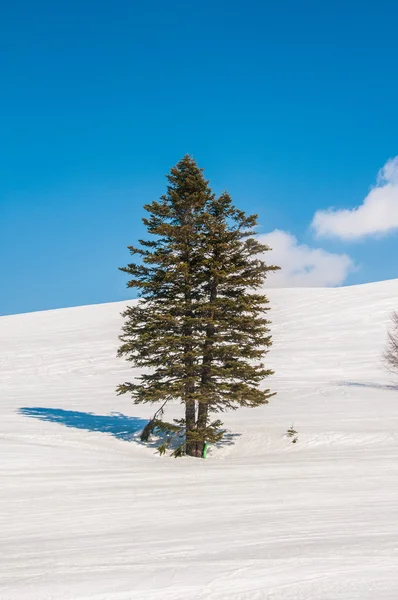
378, 214
302, 266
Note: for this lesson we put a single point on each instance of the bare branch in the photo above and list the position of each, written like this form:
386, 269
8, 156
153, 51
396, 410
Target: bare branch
390, 355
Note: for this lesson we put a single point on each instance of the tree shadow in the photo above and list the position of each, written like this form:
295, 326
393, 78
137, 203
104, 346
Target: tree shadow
367, 384
118, 425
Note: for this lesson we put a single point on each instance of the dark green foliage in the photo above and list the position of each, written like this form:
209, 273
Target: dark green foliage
199, 328
173, 432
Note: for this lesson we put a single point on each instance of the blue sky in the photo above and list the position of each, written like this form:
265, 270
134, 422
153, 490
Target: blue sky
289, 106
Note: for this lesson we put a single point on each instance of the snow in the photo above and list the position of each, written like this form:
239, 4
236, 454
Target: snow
87, 512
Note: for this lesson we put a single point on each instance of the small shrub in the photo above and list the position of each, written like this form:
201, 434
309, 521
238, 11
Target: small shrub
292, 434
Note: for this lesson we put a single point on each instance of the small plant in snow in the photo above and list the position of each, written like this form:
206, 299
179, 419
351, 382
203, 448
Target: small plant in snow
292, 434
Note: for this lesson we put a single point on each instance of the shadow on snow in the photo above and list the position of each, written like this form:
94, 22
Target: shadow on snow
116, 424
120, 426
367, 384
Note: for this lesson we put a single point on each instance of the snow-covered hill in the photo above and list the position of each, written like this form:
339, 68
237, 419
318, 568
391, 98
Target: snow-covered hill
89, 513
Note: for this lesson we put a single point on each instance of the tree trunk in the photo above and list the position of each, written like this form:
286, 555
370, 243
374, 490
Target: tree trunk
203, 413
190, 425
190, 405
203, 410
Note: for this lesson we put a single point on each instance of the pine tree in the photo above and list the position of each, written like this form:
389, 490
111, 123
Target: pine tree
199, 326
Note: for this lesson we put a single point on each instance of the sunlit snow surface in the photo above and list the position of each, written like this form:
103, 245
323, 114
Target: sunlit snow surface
89, 513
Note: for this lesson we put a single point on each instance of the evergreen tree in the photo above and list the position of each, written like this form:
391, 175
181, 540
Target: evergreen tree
199, 326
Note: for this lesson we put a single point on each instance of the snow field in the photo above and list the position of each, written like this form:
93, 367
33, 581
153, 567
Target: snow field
89, 513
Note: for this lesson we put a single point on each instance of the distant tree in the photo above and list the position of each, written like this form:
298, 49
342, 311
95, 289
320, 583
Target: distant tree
391, 350
199, 327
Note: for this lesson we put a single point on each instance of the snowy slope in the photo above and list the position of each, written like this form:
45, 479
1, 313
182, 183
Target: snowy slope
89, 513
